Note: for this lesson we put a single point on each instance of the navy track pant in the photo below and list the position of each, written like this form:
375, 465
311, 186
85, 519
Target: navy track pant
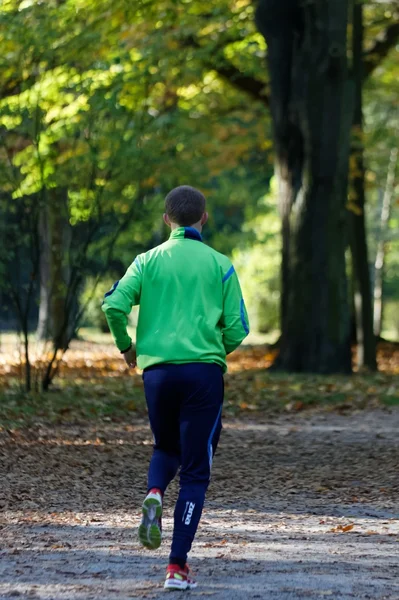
184, 407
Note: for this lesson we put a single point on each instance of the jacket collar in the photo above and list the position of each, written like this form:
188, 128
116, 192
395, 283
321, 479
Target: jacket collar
189, 233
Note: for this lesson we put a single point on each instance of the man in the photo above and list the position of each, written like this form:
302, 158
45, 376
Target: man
192, 315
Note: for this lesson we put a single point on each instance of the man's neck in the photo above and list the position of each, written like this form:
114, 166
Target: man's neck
197, 226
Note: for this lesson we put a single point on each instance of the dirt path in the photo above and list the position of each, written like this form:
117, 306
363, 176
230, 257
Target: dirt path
299, 507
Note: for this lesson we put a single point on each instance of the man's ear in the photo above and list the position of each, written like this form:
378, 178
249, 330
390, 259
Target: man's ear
204, 218
166, 220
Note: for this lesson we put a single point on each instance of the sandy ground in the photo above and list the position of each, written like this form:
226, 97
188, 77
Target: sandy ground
300, 507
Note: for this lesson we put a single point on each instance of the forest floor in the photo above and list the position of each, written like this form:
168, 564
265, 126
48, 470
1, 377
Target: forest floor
303, 503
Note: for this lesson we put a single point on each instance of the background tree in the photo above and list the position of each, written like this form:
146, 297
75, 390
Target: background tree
367, 54
316, 338
311, 108
386, 207
361, 276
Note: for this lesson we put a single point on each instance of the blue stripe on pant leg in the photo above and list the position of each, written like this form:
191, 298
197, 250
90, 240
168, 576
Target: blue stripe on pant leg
210, 448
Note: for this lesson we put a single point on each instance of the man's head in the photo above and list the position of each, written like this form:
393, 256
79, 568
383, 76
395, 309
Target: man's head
185, 207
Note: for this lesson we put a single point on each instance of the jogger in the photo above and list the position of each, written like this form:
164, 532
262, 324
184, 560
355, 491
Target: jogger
184, 407
191, 316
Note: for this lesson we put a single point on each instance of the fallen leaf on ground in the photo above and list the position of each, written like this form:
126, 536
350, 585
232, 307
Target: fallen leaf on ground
342, 528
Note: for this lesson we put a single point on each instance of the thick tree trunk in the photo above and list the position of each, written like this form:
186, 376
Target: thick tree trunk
54, 231
381, 246
312, 111
366, 347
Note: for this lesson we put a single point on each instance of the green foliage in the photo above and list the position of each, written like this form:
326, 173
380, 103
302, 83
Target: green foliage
91, 298
391, 318
258, 265
94, 101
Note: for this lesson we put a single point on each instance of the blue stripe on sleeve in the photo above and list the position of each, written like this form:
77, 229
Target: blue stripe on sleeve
242, 313
138, 265
228, 274
111, 291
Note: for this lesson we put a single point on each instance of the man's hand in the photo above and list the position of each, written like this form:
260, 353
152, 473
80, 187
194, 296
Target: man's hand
130, 358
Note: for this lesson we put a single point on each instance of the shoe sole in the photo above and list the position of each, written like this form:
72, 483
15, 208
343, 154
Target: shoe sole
150, 534
173, 586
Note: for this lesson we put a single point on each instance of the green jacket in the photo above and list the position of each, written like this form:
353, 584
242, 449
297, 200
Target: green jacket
191, 305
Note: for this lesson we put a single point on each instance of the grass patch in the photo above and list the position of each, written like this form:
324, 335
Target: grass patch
390, 400
248, 392
261, 391
110, 400
93, 384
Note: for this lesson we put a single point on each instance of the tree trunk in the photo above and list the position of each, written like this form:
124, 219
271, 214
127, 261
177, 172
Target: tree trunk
312, 112
381, 247
366, 347
54, 231
43, 331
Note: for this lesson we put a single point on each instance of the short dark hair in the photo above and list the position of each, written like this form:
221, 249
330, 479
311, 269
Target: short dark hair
185, 205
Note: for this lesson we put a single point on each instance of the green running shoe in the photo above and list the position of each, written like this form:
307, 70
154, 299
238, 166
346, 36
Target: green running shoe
150, 529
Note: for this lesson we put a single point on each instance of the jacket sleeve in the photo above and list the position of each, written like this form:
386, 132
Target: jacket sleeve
234, 322
118, 303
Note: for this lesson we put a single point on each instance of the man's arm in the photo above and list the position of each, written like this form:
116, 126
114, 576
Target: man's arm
118, 303
235, 326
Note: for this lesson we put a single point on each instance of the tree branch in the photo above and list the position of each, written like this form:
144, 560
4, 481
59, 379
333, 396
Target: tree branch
381, 47
246, 83
250, 85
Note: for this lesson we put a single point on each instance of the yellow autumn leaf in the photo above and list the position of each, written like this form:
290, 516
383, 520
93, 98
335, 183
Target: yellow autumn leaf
354, 208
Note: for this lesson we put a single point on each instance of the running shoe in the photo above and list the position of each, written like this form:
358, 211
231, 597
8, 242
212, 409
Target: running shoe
178, 578
150, 530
